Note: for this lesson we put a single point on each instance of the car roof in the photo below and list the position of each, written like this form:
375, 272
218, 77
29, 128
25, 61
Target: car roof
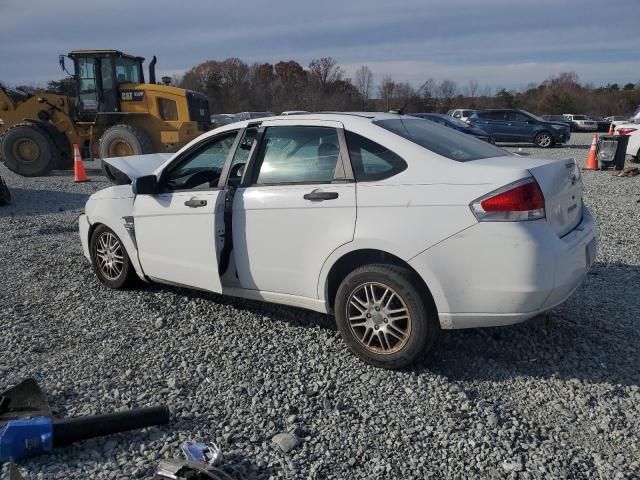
344, 117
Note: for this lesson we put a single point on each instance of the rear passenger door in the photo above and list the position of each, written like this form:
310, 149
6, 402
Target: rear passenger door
295, 206
520, 127
495, 123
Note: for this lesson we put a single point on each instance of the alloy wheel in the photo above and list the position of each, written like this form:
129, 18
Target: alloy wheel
544, 140
109, 258
378, 318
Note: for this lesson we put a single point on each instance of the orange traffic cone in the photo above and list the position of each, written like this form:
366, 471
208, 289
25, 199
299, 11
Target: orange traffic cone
610, 129
79, 174
592, 162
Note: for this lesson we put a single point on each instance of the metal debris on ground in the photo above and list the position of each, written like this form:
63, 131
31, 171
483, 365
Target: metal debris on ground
202, 452
27, 427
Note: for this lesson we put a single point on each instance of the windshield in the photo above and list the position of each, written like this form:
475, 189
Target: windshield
536, 117
441, 140
580, 117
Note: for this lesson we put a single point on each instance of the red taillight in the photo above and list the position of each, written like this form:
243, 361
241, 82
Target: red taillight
626, 131
519, 201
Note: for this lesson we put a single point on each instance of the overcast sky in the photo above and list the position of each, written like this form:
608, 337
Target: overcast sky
500, 43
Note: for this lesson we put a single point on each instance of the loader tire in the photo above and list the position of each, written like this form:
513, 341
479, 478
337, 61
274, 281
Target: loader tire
28, 150
123, 141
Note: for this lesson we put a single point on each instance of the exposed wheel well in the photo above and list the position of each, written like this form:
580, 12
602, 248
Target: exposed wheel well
358, 258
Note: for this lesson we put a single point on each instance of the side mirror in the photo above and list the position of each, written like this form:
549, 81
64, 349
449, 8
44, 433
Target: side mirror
147, 185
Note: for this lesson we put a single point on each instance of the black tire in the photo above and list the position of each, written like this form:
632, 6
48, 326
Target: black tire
124, 140
544, 140
28, 150
5, 194
421, 329
111, 276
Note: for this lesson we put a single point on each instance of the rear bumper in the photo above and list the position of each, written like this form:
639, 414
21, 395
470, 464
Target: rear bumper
496, 273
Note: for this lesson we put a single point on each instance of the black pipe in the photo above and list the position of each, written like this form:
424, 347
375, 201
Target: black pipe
70, 430
152, 70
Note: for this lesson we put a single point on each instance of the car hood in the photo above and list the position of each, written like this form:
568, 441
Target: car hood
558, 124
134, 166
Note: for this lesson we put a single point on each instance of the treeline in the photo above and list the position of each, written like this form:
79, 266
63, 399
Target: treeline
232, 86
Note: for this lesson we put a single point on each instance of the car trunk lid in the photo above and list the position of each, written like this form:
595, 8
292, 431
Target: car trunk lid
559, 180
561, 184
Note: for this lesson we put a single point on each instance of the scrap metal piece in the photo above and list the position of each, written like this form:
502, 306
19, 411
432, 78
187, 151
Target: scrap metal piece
209, 454
25, 400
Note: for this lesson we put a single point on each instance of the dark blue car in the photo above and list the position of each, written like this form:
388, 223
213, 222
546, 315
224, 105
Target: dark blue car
456, 124
512, 125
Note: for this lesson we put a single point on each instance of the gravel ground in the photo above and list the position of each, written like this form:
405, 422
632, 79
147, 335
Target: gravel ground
551, 398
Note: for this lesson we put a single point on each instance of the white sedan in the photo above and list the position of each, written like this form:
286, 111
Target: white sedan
398, 226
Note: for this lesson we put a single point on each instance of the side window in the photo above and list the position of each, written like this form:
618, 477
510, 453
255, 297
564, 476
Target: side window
457, 114
499, 115
370, 160
298, 155
200, 170
516, 117
168, 109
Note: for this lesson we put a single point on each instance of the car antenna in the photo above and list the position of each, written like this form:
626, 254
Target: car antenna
400, 111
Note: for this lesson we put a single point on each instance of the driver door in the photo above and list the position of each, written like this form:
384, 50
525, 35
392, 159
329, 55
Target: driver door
176, 229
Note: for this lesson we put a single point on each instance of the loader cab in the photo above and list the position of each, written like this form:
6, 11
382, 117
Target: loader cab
98, 75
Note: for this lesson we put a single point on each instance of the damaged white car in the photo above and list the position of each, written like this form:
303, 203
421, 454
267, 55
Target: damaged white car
398, 226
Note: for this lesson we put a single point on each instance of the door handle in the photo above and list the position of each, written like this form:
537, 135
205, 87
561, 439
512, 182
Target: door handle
319, 196
195, 203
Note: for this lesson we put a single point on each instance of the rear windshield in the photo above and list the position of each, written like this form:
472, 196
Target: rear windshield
442, 140
580, 117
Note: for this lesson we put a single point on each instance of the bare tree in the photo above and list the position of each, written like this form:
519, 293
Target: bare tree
386, 90
472, 88
325, 70
363, 81
447, 89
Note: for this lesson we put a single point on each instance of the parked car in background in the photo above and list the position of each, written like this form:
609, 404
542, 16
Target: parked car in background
581, 123
602, 124
459, 125
397, 226
220, 119
294, 112
556, 119
461, 113
238, 117
512, 125
617, 118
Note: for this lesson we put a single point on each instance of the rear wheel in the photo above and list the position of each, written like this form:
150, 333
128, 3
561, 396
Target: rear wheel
110, 260
544, 140
28, 150
383, 318
123, 141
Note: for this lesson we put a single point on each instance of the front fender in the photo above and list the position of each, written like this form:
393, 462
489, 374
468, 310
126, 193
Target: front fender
110, 212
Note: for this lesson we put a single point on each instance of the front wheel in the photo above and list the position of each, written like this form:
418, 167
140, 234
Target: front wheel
383, 318
543, 140
110, 260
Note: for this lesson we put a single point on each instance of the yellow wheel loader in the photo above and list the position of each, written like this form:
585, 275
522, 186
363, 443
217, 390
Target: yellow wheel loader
114, 114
